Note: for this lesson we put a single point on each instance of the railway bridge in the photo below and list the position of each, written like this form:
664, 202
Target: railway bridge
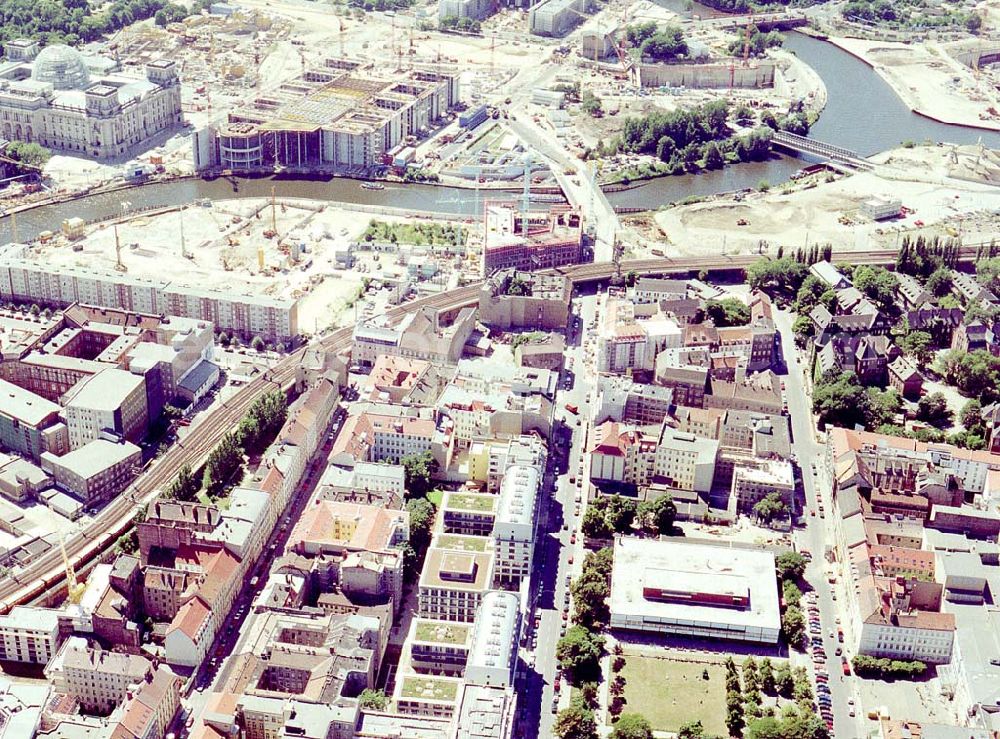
836, 156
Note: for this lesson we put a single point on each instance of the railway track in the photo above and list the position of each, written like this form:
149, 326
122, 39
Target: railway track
118, 516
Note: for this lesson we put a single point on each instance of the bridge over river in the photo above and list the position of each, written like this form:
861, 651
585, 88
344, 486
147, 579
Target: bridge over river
836, 156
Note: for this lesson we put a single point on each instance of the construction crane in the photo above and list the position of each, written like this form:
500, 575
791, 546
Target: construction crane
74, 589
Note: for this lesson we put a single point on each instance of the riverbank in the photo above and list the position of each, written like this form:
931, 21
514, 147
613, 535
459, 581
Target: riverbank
930, 81
817, 211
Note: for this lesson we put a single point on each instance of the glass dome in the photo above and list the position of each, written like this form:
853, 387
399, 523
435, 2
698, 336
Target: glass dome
62, 67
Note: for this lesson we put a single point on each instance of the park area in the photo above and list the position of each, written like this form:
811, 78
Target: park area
671, 693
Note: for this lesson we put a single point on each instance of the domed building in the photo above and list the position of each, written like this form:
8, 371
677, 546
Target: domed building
62, 67
68, 102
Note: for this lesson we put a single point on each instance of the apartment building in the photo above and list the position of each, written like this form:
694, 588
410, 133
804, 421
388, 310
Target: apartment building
30, 424
246, 315
490, 458
493, 652
99, 679
468, 514
453, 582
113, 401
96, 471
656, 289
630, 336
622, 399
514, 527
29, 634
621, 453
439, 647
754, 479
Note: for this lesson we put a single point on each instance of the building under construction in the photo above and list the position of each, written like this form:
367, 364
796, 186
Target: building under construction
527, 240
342, 113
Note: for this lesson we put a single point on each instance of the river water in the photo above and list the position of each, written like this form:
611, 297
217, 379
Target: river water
862, 114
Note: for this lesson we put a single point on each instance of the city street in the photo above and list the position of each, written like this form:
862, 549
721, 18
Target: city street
814, 536
558, 522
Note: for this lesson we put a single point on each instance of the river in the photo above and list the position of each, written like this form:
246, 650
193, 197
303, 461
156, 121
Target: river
862, 114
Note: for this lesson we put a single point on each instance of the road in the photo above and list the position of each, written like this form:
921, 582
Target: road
815, 535
559, 520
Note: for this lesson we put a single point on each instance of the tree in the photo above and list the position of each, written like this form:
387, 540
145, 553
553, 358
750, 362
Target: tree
257, 344
373, 700
657, 516
883, 667
579, 653
183, 487
974, 22
575, 722
29, 156
783, 682
917, 344
883, 406
803, 329
839, 400
770, 507
767, 671
728, 312
595, 523
665, 45
769, 275
591, 104
713, 158
222, 464
972, 416
877, 283
791, 593
691, 730
934, 410
793, 626
790, 566
632, 726
939, 283
418, 470
422, 513
620, 513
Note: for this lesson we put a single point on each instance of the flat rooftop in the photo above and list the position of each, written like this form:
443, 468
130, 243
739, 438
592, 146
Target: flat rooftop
441, 632
666, 581
26, 407
457, 570
477, 503
432, 689
460, 543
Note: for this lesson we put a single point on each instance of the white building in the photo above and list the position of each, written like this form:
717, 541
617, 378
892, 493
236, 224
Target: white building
493, 654
621, 453
880, 208
29, 634
98, 470
556, 17
473, 9
655, 289
112, 400
514, 525
755, 479
453, 582
694, 590
52, 100
630, 339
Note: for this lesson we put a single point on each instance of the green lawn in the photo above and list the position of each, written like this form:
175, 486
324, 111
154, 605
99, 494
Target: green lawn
670, 693
441, 633
460, 543
435, 497
475, 503
429, 688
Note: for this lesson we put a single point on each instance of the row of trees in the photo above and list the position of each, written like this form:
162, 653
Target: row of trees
885, 668
579, 651
610, 514
454, 23
254, 433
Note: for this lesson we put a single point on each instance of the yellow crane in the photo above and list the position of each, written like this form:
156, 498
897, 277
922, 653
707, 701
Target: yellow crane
74, 589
